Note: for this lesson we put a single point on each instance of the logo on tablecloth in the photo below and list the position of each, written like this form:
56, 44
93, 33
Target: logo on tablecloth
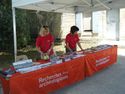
102, 60
56, 78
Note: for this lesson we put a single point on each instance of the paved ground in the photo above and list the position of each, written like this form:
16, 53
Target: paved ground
108, 81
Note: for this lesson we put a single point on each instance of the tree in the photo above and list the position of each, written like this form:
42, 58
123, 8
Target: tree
22, 28
28, 24
53, 20
6, 34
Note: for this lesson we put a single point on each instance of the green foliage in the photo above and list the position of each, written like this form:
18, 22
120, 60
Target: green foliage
53, 20
22, 27
34, 25
28, 24
6, 34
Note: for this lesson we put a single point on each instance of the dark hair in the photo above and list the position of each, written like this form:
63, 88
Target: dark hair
74, 29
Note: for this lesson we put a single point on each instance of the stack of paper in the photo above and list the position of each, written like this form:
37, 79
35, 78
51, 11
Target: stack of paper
23, 64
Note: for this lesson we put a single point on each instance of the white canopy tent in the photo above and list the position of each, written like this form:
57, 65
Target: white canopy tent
59, 6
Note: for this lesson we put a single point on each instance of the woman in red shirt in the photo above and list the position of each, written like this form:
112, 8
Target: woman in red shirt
72, 39
45, 42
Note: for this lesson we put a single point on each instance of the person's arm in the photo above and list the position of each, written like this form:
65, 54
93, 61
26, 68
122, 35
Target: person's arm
50, 48
79, 45
67, 45
38, 45
38, 49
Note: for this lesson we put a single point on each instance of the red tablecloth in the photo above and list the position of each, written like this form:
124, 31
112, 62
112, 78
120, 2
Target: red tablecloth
57, 76
99, 60
5, 85
48, 79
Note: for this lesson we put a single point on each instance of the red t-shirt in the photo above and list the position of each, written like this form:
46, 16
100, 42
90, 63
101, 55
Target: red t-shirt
45, 42
72, 40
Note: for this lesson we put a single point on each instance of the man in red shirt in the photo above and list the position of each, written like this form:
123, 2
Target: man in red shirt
72, 39
45, 41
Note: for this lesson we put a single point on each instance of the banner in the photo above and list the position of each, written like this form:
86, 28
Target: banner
60, 75
5, 85
97, 61
48, 79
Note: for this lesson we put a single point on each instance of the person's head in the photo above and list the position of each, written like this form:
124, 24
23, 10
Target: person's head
44, 31
74, 29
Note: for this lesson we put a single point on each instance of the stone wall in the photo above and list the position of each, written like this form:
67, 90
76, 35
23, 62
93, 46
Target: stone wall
68, 19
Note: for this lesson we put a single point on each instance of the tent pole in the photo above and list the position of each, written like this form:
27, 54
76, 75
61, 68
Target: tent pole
103, 4
14, 33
